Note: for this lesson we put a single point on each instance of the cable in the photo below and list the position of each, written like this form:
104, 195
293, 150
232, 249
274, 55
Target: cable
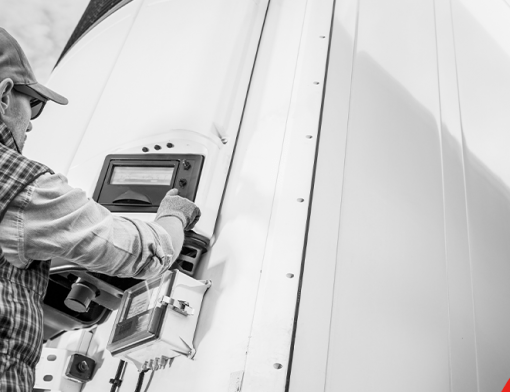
117, 381
140, 380
149, 383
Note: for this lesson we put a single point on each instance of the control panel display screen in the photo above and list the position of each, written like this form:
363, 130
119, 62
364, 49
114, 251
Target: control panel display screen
145, 175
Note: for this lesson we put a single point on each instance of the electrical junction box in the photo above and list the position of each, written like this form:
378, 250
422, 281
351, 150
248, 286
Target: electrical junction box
157, 320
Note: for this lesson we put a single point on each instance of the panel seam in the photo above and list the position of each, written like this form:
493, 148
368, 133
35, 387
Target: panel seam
463, 139
440, 126
354, 50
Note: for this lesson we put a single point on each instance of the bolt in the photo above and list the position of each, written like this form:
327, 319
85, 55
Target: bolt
186, 164
83, 366
182, 182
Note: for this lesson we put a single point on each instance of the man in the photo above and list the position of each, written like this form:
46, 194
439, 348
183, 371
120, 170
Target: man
42, 217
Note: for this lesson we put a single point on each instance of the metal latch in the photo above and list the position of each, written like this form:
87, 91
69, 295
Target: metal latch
179, 306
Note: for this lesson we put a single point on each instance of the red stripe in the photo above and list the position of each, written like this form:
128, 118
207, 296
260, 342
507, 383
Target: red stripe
507, 387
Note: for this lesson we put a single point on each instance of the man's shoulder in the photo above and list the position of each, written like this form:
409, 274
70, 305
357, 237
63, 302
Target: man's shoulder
51, 186
49, 180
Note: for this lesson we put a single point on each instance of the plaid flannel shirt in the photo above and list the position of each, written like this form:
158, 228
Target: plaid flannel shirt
21, 290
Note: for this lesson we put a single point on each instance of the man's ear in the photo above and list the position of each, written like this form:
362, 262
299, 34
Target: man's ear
6, 86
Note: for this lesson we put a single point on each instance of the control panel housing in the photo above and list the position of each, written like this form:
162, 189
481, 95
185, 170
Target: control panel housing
138, 182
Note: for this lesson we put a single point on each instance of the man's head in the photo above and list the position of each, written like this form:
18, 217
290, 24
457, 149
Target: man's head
22, 98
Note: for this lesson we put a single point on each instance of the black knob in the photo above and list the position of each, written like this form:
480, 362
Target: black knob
80, 296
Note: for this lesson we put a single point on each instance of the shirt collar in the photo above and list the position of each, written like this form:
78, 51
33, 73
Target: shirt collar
6, 137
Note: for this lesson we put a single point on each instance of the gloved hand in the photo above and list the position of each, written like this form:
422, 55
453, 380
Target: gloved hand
184, 209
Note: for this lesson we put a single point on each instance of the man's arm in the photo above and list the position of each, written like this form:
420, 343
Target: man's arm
53, 220
173, 226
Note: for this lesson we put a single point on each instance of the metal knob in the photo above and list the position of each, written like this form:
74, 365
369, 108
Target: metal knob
80, 296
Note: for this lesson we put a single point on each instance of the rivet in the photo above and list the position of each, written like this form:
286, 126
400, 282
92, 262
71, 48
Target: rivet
145, 149
315, 83
308, 136
169, 145
157, 147
277, 365
300, 200
289, 275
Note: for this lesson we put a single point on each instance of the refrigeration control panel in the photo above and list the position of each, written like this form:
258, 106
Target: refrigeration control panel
138, 182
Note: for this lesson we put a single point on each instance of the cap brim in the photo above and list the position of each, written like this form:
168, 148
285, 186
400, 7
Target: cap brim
47, 93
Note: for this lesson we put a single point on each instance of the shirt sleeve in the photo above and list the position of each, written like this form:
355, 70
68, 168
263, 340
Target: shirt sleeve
60, 221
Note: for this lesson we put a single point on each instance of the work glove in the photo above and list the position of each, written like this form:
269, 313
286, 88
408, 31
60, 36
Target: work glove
184, 209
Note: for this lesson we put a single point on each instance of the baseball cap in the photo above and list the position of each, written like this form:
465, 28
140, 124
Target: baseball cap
14, 64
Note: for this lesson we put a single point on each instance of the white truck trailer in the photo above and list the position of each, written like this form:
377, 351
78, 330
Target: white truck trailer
354, 185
